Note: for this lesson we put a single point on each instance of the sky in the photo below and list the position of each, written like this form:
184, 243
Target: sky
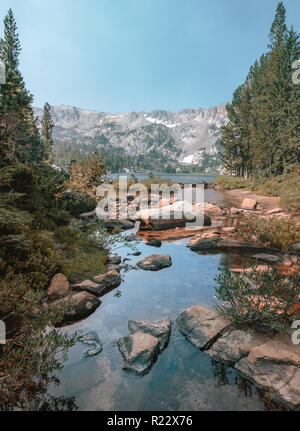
140, 55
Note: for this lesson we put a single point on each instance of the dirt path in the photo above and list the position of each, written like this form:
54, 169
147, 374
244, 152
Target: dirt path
235, 198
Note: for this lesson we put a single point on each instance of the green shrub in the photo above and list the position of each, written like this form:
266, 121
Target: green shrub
272, 232
263, 300
290, 194
76, 203
231, 183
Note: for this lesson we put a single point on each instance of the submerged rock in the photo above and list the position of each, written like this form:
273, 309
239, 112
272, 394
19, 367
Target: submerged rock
91, 339
201, 326
156, 262
59, 287
140, 351
160, 329
154, 243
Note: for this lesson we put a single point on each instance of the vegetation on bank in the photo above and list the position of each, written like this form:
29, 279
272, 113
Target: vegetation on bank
271, 232
286, 186
37, 203
262, 300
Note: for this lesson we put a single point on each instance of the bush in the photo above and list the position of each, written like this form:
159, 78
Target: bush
77, 203
263, 300
231, 183
272, 232
290, 194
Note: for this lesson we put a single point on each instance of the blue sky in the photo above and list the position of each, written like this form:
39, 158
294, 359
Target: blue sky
140, 55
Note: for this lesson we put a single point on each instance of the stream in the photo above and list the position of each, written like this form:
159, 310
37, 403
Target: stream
183, 378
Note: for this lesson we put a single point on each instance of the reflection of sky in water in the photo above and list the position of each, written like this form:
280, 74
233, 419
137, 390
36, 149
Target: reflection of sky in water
183, 377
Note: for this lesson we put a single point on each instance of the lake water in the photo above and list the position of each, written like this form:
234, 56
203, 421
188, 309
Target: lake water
176, 178
183, 378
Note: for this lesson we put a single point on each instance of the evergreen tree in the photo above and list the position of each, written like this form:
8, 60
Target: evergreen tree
19, 135
46, 132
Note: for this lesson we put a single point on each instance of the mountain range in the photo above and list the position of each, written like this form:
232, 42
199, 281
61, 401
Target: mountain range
182, 139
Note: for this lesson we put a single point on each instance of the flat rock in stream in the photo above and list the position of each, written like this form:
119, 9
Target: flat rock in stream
275, 366
154, 243
140, 351
156, 262
160, 329
106, 282
201, 326
235, 345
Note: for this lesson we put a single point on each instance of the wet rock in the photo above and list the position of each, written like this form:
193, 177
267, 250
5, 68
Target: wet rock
202, 244
86, 286
140, 351
249, 204
59, 287
235, 345
156, 262
154, 243
115, 260
84, 304
201, 326
116, 223
275, 366
135, 253
269, 258
114, 268
106, 282
91, 339
160, 329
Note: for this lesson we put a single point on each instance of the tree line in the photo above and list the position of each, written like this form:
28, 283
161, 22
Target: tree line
262, 137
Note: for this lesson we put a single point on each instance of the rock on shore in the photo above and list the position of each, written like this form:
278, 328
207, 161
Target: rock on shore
272, 363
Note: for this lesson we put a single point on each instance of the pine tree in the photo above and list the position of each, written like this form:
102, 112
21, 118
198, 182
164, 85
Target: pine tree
19, 135
46, 132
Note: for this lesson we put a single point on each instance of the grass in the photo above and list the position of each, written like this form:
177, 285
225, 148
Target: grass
272, 232
80, 256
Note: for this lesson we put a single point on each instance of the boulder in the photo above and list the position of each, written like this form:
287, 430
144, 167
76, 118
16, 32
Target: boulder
249, 204
275, 366
106, 283
154, 243
235, 345
111, 267
212, 209
160, 329
202, 244
84, 304
201, 326
140, 351
115, 260
156, 262
59, 287
86, 286
269, 258
117, 223
235, 211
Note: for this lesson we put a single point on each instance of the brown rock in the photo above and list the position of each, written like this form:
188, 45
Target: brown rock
105, 283
249, 204
59, 287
